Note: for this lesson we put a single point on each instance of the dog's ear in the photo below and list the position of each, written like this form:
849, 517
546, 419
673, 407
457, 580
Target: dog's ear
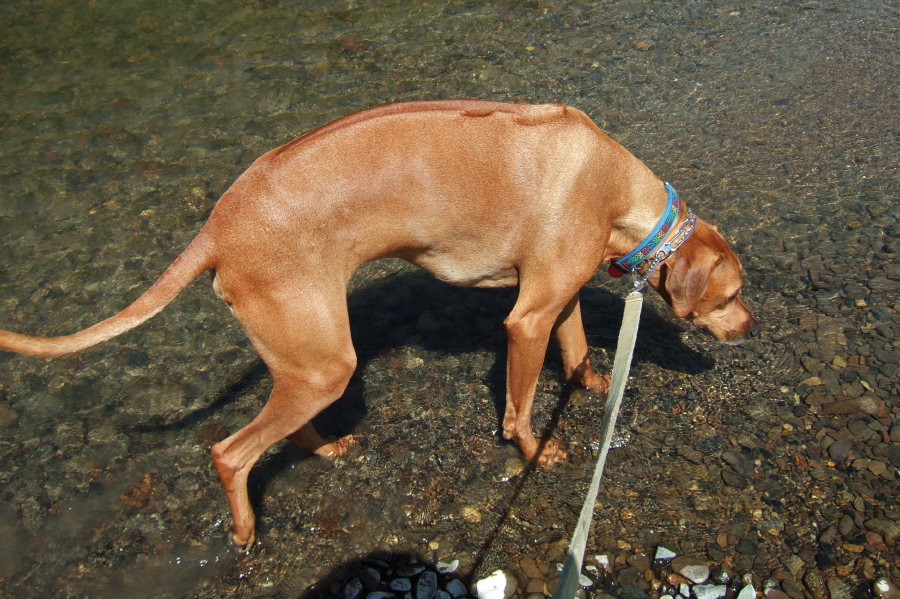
684, 276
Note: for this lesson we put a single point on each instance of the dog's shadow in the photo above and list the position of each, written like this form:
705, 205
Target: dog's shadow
413, 309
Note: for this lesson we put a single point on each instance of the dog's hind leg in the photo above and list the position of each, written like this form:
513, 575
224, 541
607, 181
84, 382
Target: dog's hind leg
311, 358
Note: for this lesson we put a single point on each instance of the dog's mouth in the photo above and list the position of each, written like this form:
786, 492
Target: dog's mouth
727, 341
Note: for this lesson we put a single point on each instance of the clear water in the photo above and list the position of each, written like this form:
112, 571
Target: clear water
122, 122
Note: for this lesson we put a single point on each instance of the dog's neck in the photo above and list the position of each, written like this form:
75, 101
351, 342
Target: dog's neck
644, 212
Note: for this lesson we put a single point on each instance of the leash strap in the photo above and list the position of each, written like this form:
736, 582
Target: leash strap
568, 581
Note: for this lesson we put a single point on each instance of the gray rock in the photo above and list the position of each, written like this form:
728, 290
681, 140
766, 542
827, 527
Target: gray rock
840, 449
846, 525
381, 595
792, 589
427, 585
664, 553
885, 589
691, 568
352, 590
447, 567
837, 588
739, 462
370, 578
747, 592
710, 591
401, 584
814, 584
888, 529
456, 589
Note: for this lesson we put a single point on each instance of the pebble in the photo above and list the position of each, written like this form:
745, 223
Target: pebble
664, 554
840, 449
499, 585
691, 568
427, 585
885, 589
447, 567
456, 589
837, 588
710, 591
814, 584
747, 592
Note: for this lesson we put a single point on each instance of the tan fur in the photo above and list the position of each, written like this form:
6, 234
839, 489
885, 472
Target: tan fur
477, 193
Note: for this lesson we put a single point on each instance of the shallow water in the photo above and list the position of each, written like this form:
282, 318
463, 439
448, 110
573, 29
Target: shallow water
123, 122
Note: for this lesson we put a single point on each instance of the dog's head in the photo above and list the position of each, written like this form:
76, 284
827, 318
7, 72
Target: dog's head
702, 282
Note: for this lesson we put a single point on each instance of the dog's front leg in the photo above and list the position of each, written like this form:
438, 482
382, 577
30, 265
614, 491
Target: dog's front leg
528, 330
574, 348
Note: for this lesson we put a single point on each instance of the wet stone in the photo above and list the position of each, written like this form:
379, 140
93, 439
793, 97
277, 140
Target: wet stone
840, 449
691, 568
353, 589
747, 546
400, 584
710, 591
370, 578
747, 592
427, 585
791, 588
885, 589
732, 479
739, 462
814, 584
456, 589
837, 588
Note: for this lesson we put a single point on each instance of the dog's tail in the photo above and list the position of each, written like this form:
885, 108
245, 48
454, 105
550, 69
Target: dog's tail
197, 258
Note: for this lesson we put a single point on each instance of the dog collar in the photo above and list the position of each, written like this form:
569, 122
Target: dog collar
653, 244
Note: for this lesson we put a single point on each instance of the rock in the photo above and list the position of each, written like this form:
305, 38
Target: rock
794, 563
499, 585
739, 462
846, 525
837, 588
885, 589
447, 567
710, 591
814, 584
842, 407
735, 480
840, 449
691, 568
664, 554
893, 454
747, 592
641, 561
747, 546
353, 589
791, 588
409, 571
632, 592
873, 406
529, 567
401, 584
380, 595
370, 578
888, 529
427, 585
456, 589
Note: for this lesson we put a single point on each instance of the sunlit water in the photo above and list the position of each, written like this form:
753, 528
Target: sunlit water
122, 123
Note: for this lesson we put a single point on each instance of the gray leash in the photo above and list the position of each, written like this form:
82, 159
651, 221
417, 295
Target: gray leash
568, 581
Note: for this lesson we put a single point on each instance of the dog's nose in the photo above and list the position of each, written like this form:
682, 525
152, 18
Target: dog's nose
756, 329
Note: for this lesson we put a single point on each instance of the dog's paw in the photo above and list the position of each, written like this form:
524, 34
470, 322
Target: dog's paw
599, 383
243, 547
336, 448
551, 455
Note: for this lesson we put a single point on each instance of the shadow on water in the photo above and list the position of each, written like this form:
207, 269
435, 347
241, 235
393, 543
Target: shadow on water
412, 309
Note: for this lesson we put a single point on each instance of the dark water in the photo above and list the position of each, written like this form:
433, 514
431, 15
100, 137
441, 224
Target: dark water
122, 123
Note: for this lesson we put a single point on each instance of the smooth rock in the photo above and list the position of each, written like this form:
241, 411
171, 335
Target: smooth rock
792, 589
885, 589
499, 585
381, 595
840, 449
814, 584
664, 553
888, 529
710, 591
456, 589
427, 585
353, 589
837, 588
400, 584
370, 578
447, 567
691, 568
747, 592
739, 462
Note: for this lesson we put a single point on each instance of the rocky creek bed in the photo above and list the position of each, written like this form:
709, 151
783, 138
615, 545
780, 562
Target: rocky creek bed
774, 465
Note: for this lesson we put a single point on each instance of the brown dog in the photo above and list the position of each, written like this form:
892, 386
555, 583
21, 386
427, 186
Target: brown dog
478, 194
